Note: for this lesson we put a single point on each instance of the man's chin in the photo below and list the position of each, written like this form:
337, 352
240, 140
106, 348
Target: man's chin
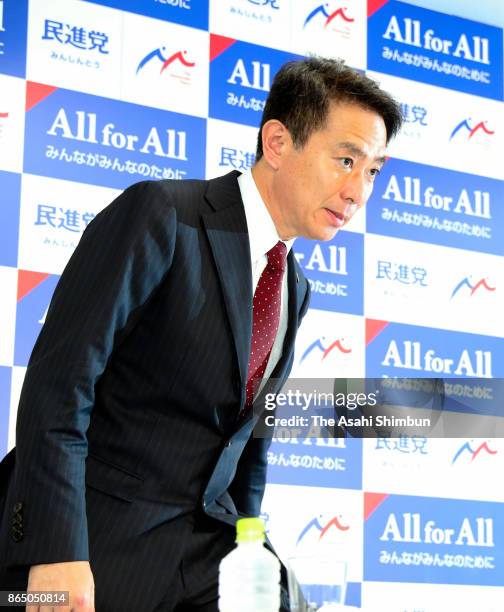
326, 234
322, 234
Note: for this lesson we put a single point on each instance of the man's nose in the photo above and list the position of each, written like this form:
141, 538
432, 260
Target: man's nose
353, 190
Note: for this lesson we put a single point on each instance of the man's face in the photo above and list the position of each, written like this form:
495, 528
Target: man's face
321, 185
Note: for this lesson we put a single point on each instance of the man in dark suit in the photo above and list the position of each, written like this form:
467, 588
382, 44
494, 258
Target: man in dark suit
135, 451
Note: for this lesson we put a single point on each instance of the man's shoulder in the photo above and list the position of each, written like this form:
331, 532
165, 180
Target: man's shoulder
169, 192
183, 195
149, 203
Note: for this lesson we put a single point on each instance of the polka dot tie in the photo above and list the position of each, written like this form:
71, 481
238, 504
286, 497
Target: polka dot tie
266, 316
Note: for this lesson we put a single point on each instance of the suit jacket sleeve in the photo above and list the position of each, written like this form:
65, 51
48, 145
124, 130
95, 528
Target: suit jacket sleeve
122, 257
247, 488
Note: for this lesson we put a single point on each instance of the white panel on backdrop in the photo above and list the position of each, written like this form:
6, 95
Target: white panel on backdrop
165, 65
311, 520
12, 102
76, 45
8, 282
262, 22
329, 345
447, 128
446, 467
230, 146
51, 223
433, 286
332, 29
399, 597
17, 378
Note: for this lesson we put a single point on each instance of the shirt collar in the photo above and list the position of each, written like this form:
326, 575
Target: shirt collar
261, 229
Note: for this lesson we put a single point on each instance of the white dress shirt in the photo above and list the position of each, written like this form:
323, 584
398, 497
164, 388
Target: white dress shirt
262, 237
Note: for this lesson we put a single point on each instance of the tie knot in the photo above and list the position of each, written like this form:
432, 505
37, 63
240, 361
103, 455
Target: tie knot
277, 256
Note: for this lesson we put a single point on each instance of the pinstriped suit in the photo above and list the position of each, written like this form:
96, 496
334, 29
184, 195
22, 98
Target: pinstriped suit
128, 418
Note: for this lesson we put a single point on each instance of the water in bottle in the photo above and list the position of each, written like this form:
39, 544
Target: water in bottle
249, 576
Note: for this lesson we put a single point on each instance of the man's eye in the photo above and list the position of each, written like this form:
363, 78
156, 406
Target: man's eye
374, 172
347, 162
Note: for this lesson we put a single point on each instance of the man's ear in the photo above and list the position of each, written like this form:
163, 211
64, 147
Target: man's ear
275, 141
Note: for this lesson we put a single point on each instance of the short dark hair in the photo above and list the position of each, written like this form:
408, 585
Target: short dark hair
302, 91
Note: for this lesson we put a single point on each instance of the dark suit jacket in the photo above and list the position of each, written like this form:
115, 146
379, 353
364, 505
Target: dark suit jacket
136, 382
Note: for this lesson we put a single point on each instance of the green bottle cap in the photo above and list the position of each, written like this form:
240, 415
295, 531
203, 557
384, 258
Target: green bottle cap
250, 530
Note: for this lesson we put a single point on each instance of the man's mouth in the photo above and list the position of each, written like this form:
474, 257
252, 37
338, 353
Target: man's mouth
335, 218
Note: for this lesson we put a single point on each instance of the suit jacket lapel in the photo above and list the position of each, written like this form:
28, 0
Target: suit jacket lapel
226, 229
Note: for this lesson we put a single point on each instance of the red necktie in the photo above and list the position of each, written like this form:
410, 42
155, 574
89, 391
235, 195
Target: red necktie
266, 316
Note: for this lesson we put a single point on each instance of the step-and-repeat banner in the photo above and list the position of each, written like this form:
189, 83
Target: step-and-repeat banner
96, 95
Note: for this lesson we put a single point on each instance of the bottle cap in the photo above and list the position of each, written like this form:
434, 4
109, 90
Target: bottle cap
250, 530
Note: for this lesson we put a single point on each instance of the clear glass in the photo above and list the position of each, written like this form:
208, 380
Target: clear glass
316, 583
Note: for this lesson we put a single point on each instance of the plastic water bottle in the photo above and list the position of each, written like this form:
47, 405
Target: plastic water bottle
249, 576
